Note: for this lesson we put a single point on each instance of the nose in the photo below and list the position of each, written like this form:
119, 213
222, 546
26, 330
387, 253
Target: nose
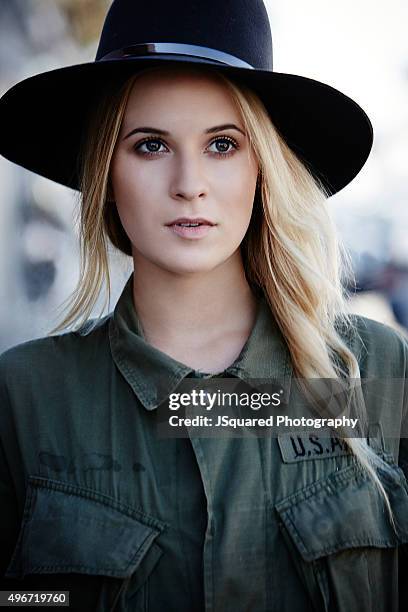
189, 182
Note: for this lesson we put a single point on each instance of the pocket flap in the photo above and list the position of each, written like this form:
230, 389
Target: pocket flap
346, 510
71, 529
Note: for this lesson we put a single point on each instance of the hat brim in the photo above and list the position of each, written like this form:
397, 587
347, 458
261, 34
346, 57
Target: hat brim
43, 118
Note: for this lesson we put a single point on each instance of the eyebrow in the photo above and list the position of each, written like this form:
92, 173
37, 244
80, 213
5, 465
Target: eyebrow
216, 128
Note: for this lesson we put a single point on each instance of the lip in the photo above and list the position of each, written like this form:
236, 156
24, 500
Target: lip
191, 220
192, 233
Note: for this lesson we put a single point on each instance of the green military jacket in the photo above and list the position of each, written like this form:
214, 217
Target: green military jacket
93, 502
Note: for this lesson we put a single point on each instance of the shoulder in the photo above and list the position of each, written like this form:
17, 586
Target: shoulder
380, 349
43, 357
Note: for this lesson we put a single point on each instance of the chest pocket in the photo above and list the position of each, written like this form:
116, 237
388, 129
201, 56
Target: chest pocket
78, 540
342, 542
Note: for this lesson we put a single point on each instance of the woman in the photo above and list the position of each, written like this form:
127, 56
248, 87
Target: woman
199, 130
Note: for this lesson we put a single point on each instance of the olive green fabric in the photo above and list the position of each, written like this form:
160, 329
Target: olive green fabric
93, 502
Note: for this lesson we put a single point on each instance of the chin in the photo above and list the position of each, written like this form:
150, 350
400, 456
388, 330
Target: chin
189, 270
188, 267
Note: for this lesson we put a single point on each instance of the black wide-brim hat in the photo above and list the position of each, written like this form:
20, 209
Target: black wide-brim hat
43, 118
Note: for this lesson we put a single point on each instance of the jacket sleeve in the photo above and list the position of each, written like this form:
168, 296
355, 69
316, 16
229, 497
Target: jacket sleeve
8, 514
9, 521
403, 464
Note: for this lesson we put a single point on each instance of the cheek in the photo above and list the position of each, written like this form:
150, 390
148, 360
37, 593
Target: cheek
128, 181
241, 193
135, 193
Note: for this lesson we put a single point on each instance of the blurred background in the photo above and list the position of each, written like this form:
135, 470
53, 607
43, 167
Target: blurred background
357, 46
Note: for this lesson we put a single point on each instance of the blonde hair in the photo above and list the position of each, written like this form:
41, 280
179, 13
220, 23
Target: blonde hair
291, 252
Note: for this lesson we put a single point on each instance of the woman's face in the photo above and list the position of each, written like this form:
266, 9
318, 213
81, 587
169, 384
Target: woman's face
182, 153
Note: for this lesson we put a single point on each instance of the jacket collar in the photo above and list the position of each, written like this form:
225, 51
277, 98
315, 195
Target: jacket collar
153, 375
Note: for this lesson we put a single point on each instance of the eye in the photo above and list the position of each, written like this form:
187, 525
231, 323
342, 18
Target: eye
152, 146
223, 144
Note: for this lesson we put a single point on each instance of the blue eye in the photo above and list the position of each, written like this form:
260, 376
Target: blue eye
152, 144
225, 143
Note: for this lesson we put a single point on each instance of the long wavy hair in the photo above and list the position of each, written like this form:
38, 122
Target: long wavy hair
291, 252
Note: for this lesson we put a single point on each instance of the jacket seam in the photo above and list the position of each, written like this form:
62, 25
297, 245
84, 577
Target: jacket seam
101, 498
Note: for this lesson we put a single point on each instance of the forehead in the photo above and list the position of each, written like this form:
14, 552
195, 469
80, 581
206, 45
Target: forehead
185, 91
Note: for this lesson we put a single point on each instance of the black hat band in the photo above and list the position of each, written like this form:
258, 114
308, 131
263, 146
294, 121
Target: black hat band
153, 48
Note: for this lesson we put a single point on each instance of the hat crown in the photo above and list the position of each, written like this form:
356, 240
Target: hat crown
237, 27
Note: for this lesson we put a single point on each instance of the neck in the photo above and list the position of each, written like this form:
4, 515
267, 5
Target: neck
193, 311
